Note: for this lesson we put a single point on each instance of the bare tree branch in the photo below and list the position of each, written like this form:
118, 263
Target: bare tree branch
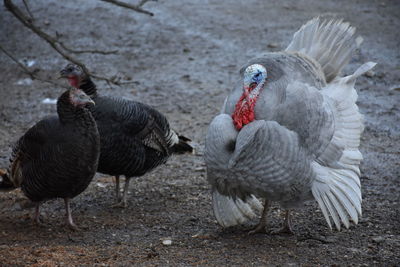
27, 9
53, 42
142, 2
94, 51
32, 74
137, 8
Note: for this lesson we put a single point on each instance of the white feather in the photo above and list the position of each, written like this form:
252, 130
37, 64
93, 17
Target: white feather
230, 212
330, 43
338, 190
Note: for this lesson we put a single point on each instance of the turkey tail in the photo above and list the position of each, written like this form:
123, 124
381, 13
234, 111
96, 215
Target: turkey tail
329, 42
337, 189
182, 146
231, 212
179, 144
5, 183
12, 178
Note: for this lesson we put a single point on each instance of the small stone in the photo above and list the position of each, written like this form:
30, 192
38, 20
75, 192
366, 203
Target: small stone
46, 22
378, 239
101, 185
273, 45
167, 242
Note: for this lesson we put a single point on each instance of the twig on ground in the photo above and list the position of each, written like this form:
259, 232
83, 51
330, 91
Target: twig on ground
321, 239
137, 8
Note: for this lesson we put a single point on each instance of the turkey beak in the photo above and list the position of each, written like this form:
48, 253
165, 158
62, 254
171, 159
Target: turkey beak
61, 75
90, 101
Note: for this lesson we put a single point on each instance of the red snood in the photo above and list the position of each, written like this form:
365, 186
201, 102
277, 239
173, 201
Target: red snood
244, 110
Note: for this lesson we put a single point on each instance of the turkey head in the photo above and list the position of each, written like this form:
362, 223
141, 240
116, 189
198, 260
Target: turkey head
254, 80
79, 99
74, 74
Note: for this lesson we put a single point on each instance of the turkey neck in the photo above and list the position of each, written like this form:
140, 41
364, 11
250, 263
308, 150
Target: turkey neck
88, 87
70, 114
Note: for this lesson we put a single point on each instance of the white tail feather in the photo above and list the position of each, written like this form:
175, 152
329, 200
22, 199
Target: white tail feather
338, 189
330, 43
230, 212
336, 196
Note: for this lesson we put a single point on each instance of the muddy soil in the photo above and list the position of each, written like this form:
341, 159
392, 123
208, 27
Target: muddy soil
183, 61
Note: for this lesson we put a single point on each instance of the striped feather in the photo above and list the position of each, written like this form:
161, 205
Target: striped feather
329, 42
338, 189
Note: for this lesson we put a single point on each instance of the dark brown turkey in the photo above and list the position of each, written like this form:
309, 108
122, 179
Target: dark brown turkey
58, 156
134, 137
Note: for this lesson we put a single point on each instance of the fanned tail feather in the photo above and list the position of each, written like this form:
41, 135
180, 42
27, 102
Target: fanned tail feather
5, 183
179, 144
338, 193
230, 212
337, 189
183, 146
329, 42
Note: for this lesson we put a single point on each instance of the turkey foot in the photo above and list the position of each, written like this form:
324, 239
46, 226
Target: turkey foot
260, 228
287, 227
71, 225
283, 230
121, 204
36, 216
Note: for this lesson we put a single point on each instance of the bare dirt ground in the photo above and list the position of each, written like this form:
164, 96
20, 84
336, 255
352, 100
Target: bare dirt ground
184, 60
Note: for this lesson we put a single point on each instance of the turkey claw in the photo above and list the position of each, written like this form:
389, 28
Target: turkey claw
283, 230
73, 227
260, 229
120, 204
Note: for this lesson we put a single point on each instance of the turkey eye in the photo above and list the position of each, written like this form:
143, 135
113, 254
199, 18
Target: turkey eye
253, 85
257, 75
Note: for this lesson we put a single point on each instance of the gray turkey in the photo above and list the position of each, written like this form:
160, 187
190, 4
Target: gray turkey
58, 156
290, 132
134, 138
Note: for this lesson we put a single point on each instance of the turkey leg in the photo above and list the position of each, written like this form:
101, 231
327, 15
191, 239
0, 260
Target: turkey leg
263, 221
123, 202
36, 216
70, 222
117, 191
287, 227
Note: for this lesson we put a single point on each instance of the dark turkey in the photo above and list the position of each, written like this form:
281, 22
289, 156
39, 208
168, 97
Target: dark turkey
57, 157
134, 138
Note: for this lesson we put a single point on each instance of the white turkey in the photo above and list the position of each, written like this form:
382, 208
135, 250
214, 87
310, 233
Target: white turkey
290, 132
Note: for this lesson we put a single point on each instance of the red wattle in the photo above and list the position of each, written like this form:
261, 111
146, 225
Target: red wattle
73, 81
244, 111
